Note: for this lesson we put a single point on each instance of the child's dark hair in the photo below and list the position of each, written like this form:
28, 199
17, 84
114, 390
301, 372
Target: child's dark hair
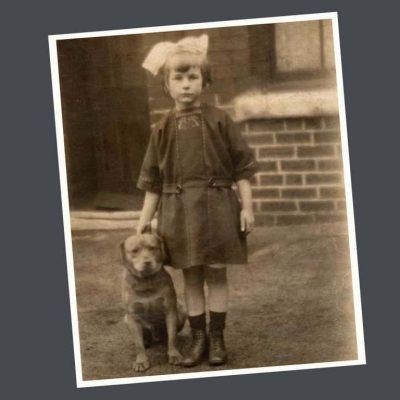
184, 67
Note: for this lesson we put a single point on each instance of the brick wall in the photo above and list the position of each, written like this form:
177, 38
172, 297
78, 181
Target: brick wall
300, 179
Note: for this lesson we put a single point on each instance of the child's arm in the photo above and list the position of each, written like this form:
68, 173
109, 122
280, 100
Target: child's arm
247, 214
150, 205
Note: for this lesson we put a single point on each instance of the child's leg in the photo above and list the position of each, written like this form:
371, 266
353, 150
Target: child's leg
194, 290
195, 303
217, 283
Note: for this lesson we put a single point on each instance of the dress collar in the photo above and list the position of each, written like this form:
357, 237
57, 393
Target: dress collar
188, 111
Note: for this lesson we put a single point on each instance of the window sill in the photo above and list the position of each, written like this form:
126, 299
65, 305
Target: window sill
286, 102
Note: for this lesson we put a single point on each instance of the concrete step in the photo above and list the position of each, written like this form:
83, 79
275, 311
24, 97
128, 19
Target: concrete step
104, 220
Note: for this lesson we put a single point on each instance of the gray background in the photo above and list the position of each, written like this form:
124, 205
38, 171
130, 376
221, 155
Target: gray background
37, 355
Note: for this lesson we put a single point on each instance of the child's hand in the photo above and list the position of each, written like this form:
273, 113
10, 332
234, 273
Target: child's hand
143, 228
246, 221
150, 205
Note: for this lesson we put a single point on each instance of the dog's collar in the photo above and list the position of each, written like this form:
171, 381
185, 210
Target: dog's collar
144, 278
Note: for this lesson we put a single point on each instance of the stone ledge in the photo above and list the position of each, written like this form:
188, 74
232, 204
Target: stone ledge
103, 220
287, 103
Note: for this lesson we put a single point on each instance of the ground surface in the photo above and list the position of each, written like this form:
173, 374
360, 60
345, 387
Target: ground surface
292, 304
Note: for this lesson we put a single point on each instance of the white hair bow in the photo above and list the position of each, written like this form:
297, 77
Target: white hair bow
161, 51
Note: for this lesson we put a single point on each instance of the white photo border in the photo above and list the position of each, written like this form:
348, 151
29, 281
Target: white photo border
333, 16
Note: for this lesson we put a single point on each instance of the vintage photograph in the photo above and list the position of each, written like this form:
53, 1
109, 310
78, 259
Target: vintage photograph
207, 204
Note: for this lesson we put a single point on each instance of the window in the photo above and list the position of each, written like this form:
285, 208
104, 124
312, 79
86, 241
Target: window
303, 48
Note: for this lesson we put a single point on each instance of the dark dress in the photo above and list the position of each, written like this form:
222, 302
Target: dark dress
192, 160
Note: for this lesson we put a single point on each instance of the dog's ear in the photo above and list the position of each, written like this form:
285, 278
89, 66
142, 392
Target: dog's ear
162, 245
122, 250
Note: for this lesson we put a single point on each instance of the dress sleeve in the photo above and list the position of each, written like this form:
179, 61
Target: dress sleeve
244, 163
150, 177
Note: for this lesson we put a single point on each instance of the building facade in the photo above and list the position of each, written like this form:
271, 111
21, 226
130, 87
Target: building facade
276, 80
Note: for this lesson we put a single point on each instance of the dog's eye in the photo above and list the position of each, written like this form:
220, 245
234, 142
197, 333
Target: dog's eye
134, 251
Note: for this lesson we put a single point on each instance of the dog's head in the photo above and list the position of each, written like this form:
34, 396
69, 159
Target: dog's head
143, 255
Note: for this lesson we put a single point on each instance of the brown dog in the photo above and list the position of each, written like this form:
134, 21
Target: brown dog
149, 298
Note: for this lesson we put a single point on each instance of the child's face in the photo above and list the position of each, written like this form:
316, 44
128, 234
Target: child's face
185, 85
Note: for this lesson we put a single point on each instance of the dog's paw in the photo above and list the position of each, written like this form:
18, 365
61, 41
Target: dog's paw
174, 357
141, 364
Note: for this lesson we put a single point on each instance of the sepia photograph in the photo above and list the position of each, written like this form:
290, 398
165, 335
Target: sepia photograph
207, 202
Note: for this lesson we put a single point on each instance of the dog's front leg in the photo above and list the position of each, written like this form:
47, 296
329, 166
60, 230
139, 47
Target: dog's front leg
142, 362
174, 356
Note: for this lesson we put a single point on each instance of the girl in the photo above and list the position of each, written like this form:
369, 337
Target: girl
194, 156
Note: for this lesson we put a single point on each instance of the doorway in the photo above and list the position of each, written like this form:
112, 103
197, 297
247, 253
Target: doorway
106, 120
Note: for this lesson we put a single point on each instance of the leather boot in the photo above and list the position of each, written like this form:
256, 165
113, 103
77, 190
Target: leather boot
197, 349
216, 348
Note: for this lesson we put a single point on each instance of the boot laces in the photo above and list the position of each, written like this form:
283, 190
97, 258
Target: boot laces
216, 340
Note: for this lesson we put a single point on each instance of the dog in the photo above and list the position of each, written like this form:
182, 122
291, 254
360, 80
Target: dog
152, 312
